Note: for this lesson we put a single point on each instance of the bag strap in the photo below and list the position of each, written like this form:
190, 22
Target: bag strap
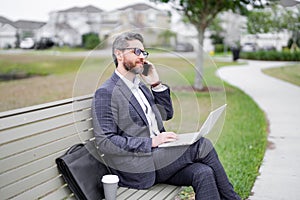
101, 156
74, 148
80, 145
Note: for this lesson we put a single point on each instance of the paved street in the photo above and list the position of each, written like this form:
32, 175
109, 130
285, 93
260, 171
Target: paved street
279, 177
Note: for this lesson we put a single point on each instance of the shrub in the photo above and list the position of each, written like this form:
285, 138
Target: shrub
90, 40
272, 55
219, 48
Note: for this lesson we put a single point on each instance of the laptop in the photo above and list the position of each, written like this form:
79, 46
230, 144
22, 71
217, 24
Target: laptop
190, 138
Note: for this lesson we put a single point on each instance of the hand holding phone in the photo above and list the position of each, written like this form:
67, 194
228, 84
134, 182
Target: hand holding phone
146, 68
149, 74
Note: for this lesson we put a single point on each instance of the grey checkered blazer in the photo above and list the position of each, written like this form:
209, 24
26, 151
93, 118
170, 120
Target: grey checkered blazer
122, 133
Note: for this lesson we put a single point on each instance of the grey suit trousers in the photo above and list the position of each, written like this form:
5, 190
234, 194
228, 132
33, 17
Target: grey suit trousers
198, 166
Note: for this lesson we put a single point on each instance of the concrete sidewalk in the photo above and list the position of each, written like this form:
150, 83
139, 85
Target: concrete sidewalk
280, 171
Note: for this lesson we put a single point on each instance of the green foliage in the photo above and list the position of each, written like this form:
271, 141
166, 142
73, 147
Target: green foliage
216, 31
272, 55
187, 193
219, 48
274, 19
90, 40
258, 22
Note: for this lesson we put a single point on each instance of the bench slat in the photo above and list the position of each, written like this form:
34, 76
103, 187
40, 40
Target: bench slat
60, 193
127, 193
38, 115
168, 191
137, 195
30, 182
121, 190
7, 114
152, 191
42, 189
34, 141
48, 161
38, 153
42, 126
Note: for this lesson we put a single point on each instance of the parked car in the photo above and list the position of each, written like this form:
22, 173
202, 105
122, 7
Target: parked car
184, 47
268, 48
249, 47
44, 43
27, 43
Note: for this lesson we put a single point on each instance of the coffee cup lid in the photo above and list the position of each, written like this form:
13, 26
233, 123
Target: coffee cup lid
110, 178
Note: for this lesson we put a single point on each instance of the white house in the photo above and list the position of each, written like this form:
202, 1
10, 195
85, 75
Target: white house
8, 33
11, 33
66, 27
144, 18
267, 41
28, 28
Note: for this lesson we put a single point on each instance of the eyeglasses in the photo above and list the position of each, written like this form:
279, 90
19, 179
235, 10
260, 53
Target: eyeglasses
138, 51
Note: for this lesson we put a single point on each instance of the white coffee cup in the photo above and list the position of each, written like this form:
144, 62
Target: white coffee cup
110, 185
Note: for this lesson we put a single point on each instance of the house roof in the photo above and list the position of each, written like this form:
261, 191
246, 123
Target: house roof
6, 21
25, 24
138, 6
87, 9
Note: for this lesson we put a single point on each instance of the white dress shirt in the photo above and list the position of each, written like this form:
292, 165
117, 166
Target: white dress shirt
142, 100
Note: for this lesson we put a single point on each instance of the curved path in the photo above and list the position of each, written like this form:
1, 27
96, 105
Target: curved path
279, 177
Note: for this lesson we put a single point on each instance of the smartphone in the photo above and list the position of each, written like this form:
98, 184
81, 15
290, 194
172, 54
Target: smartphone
146, 69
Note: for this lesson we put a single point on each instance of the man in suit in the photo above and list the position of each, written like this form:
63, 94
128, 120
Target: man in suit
128, 127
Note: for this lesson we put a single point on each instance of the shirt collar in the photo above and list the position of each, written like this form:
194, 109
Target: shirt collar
131, 85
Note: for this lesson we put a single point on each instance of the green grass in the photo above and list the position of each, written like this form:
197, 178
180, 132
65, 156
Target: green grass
40, 65
242, 142
66, 49
288, 73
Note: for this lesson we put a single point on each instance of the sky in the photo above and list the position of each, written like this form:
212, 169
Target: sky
38, 10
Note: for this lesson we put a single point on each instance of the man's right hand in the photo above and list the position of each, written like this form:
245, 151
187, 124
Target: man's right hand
163, 138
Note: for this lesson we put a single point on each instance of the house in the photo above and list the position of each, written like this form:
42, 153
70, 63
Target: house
267, 41
66, 27
28, 28
11, 33
143, 18
8, 33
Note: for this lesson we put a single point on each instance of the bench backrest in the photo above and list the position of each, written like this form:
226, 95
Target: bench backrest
32, 138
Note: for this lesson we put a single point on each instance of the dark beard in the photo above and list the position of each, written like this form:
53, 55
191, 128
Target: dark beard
130, 67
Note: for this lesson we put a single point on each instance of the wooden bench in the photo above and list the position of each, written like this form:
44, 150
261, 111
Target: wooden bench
32, 138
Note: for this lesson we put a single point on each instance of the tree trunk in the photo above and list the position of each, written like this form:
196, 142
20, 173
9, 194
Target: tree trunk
198, 84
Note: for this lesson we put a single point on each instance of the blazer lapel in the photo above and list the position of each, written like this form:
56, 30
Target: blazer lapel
131, 99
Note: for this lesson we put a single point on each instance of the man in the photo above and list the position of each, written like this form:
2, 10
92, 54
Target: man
128, 128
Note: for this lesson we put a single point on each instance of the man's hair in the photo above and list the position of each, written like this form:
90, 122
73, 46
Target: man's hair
121, 42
